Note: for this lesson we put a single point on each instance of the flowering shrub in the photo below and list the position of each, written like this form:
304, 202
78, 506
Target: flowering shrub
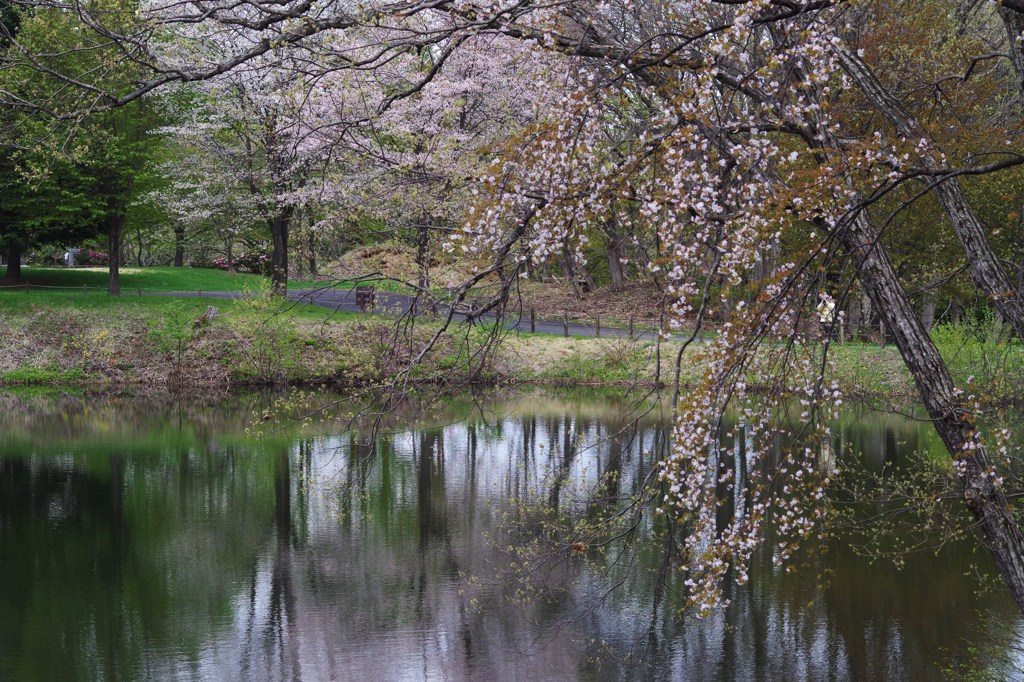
90, 258
256, 262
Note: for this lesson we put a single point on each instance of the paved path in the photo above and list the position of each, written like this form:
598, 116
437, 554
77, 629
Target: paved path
396, 304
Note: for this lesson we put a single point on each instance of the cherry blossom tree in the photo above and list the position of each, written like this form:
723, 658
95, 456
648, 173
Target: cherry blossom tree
417, 162
747, 148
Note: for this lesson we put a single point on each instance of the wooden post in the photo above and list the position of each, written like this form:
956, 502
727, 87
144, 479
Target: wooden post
631, 327
597, 325
881, 329
533, 320
139, 289
565, 324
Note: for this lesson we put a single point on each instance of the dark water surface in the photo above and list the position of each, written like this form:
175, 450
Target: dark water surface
160, 538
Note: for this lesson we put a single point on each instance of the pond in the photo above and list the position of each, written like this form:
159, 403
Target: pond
154, 537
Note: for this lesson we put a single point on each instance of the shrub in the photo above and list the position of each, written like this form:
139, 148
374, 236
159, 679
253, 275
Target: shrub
256, 262
90, 258
981, 353
267, 348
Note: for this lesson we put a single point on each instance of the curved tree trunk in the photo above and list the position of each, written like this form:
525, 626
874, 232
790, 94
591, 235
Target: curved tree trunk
952, 417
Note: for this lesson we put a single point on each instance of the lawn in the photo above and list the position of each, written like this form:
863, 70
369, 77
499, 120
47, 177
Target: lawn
22, 301
149, 279
85, 289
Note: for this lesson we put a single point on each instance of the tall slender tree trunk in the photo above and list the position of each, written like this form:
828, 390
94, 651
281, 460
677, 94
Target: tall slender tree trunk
311, 252
422, 252
115, 227
928, 311
952, 417
279, 228
14, 261
179, 246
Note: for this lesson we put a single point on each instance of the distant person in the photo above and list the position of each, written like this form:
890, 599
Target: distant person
826, 312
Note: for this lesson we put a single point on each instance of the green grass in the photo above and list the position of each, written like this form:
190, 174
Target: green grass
150, 279
42, 375
20, 301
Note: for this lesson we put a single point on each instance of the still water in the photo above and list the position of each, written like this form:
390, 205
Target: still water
151, 537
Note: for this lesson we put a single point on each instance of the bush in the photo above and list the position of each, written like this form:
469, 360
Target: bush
980, 353
89, 258
255, 262
267, 347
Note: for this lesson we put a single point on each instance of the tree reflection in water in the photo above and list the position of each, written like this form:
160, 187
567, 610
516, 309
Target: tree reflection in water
157, 538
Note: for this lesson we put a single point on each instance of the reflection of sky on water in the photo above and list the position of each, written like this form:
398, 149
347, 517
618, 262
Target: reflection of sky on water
325, 557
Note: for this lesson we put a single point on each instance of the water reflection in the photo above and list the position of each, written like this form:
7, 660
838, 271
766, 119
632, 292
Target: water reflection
147, 537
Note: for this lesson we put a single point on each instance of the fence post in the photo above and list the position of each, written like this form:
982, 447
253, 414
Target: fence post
565, 324
597, 325
631, 327
533, 320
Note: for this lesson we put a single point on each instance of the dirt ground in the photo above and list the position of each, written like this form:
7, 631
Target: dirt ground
639, 299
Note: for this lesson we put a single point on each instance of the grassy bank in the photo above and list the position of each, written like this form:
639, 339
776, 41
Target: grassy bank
861, 369
60, 337
67, 336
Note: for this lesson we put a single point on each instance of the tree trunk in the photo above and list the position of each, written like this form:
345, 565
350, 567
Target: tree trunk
1014, 23
954, 311
311, 246
616, 254
928, 312
952, 418
569, 273
279, 261
179, 246
422, 254
986, 270
13, 262
115, 226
